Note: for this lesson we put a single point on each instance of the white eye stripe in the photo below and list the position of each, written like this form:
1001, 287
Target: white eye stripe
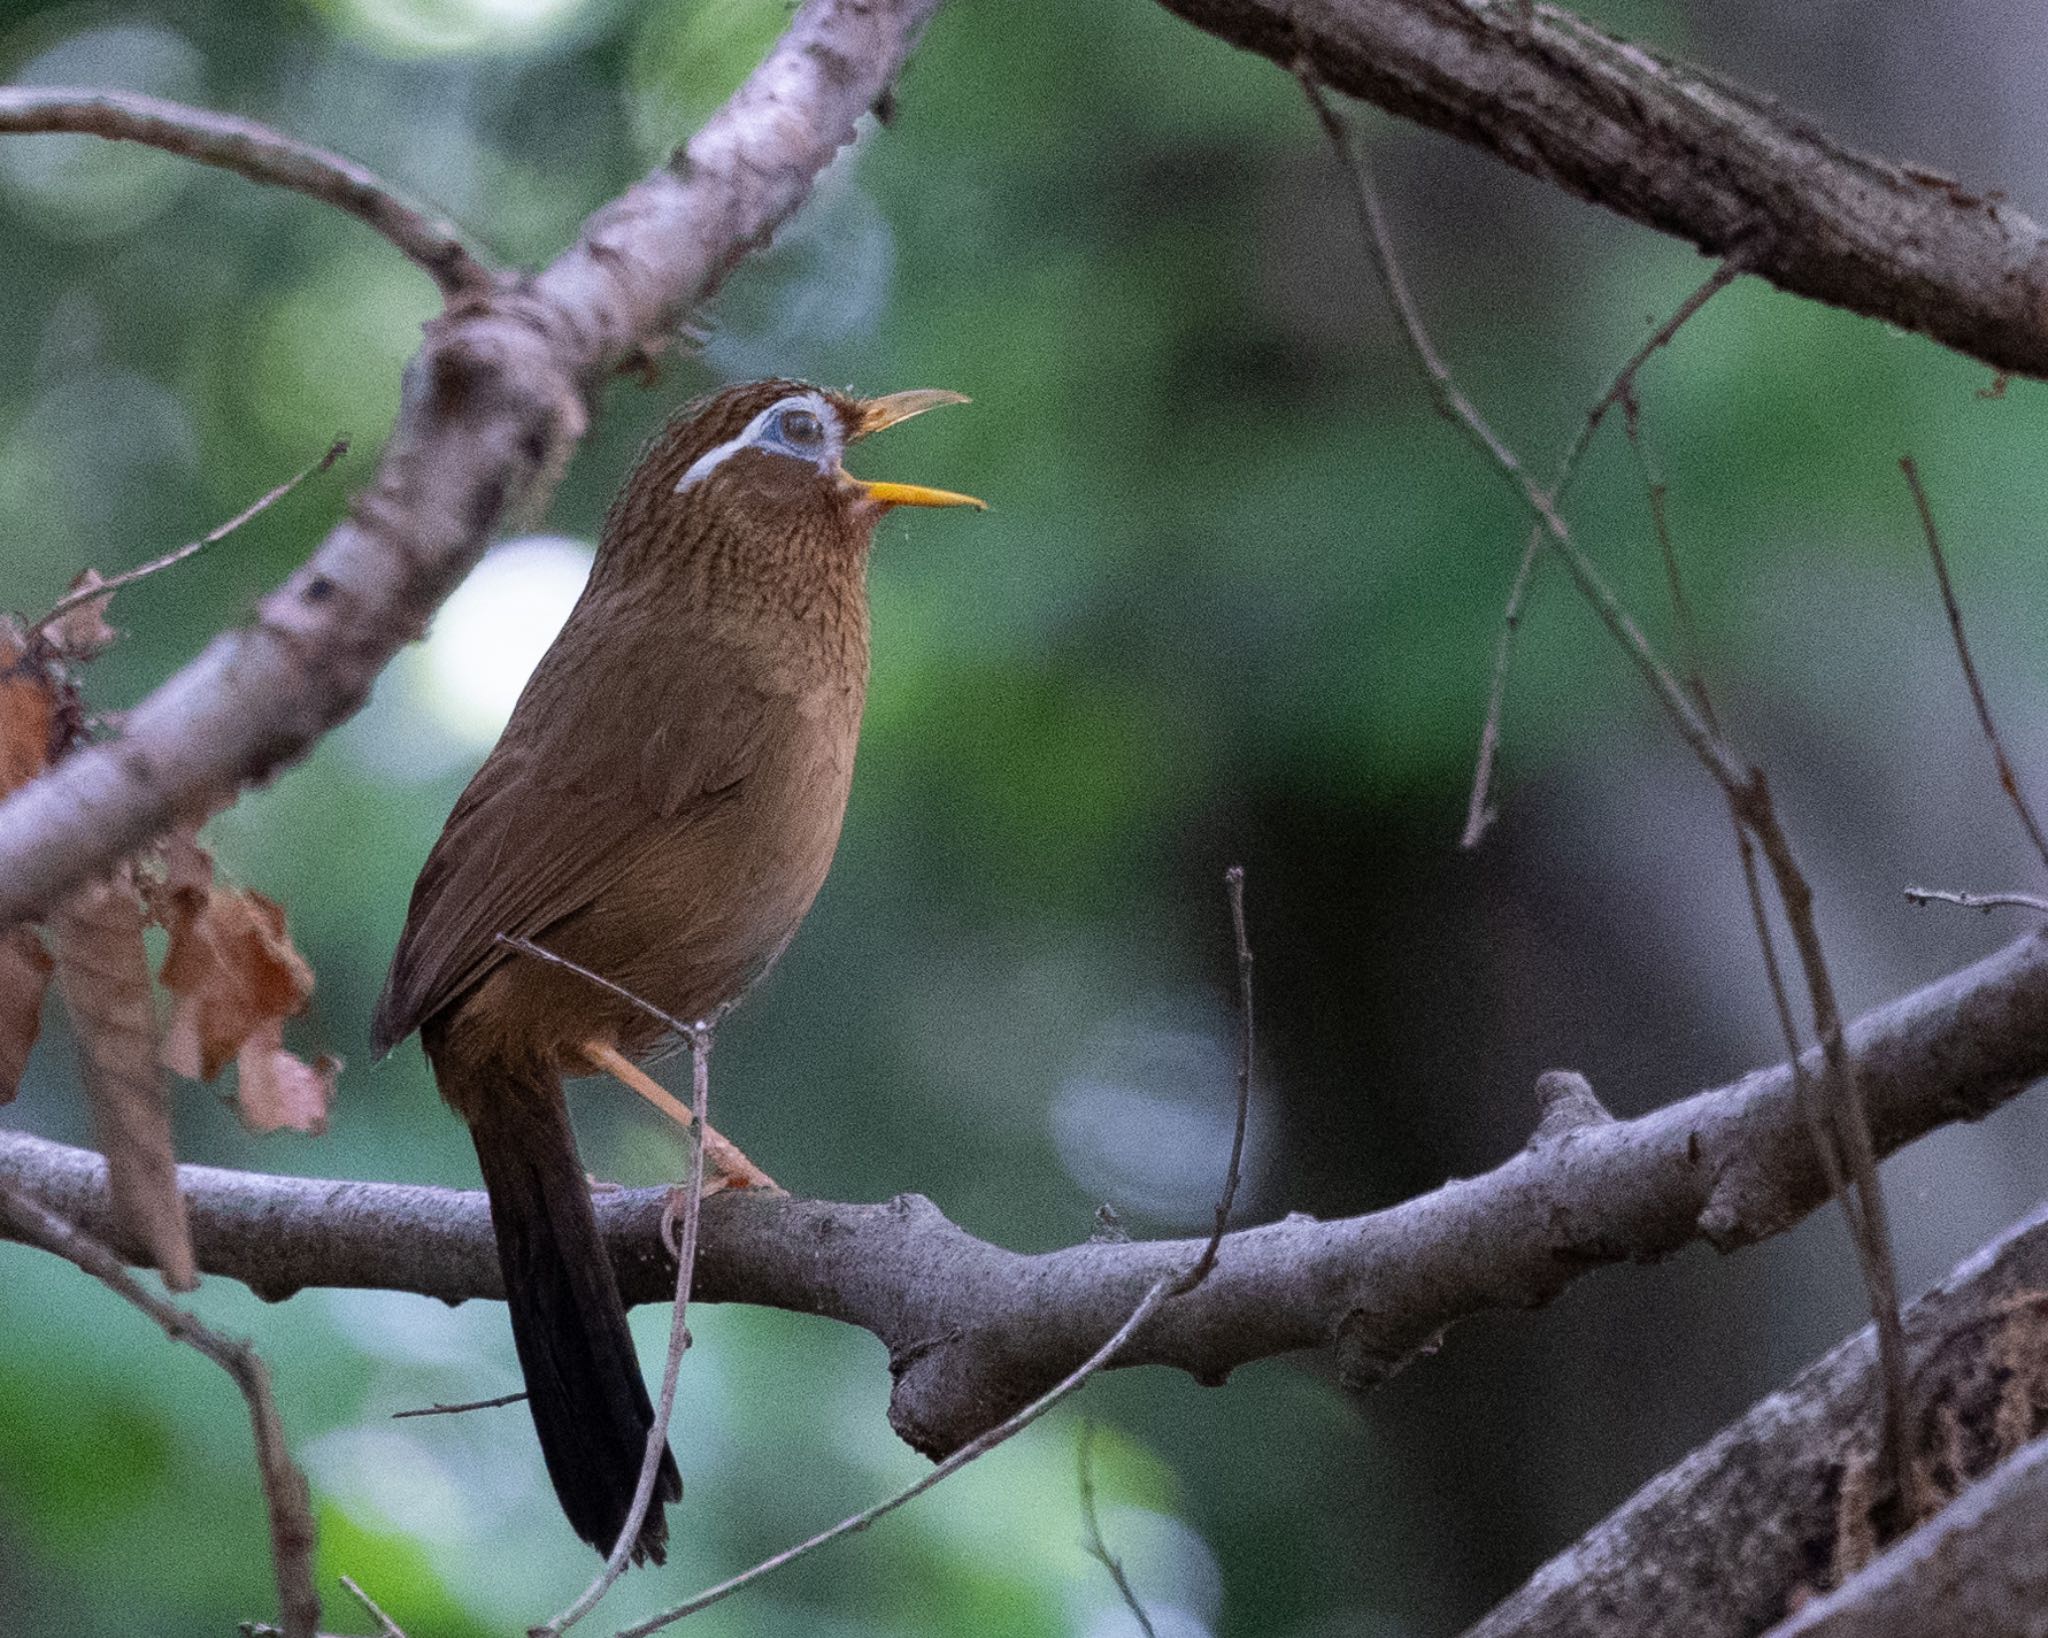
755, 434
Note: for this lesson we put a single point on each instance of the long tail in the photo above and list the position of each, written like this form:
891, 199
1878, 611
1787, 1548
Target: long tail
583, 1381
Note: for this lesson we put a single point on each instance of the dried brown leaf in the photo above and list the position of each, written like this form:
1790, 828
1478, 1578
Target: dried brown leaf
81, 631
231, 971
275, 1090
24, 976
28, 711
103, 974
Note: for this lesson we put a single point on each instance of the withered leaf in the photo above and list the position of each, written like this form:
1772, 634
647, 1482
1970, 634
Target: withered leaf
275, 1090
24, 976
81, 631
28, 710
231, 971
103, 974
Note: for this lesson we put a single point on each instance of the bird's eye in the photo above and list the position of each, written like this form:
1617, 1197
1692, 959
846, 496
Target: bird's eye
802, 427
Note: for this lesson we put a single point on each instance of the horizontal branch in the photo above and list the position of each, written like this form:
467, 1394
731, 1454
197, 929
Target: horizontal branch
494, 404
259, 153
1679, 149
1789, 1500
975, 1331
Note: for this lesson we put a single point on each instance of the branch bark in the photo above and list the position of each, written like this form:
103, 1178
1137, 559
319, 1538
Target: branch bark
1789, 1500
974, 1331
494, 404
1681, 150
1976, 1568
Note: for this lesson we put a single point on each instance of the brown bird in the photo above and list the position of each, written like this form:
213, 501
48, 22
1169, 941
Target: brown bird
661, 809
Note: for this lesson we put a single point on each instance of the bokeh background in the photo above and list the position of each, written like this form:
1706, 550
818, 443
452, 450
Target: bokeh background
1236, 601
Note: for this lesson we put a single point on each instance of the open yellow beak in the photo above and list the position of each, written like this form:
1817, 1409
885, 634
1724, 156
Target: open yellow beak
872, 416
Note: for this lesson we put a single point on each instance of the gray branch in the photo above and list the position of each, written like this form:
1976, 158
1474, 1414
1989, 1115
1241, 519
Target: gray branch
1790, 1500
494, 404
975, 1331
258, 153
1679, 149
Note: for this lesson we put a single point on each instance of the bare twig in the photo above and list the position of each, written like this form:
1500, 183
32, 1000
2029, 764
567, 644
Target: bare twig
386, 1627
1621, 390
285, 1497
457, 1410
1746, 789
683, 1031
1655, 491
260, 154
1233, 886
700, 1038
1479, 811
1163, 1289
1092, 1541
1714, 753
1072, 1383
1987, 902
127, 577
2007, 779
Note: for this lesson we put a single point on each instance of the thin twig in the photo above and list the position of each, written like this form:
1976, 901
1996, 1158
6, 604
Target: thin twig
1163, 1289
1833, 1122
1092, 1541
1621, 390
700, 1036
1718, 758
540, 952
1747, 792
127, 577
1656, 492
1987, 902
1233, 887
678, 1344
2007, 779
386, 1627
260, 154
285, 1497
457, 1410
1156, 1294
1479, 805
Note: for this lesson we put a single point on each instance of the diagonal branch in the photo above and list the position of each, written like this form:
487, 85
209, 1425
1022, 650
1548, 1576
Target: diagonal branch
494, 405
262, 155
974, 1331
1786, 1501
1681, 150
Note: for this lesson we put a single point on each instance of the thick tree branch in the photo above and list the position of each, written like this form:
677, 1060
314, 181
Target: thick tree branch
1681, 150
974, 1331
1789, 1500
262, 155
1976, 1568
494, 404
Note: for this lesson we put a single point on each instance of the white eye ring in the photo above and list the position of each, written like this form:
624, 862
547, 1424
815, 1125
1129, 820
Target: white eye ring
780, 429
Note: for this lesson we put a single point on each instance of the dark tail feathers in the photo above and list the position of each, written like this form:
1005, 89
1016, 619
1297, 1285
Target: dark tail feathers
583, 1381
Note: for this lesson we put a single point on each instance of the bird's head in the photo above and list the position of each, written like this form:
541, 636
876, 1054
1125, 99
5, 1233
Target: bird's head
771, 445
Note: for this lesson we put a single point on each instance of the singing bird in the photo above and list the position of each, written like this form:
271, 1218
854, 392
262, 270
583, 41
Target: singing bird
661, 809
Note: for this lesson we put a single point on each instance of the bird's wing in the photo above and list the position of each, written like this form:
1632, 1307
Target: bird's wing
563, 808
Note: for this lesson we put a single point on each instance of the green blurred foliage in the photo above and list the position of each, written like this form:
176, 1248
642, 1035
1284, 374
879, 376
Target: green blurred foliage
1237, 599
